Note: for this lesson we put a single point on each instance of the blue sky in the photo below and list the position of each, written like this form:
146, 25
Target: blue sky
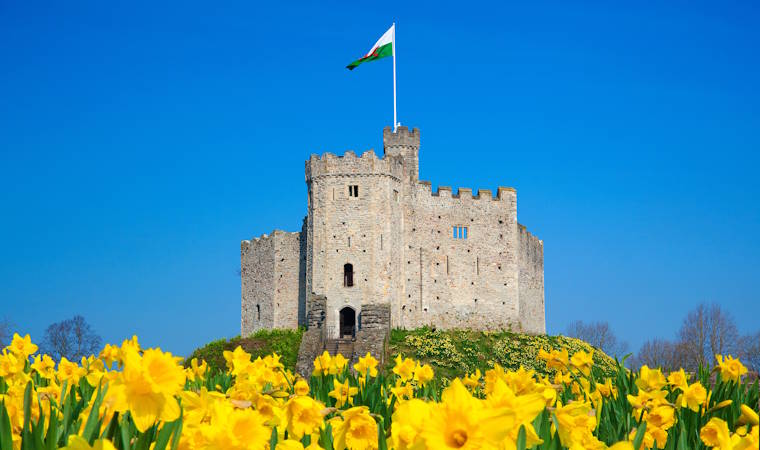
140, 142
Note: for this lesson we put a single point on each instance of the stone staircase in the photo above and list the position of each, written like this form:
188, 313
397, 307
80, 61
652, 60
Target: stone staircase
371, 338
344, 346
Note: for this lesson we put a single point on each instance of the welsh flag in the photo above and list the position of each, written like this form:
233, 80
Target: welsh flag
382, 48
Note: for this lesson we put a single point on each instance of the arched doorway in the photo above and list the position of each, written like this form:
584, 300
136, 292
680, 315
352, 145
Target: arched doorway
347, 322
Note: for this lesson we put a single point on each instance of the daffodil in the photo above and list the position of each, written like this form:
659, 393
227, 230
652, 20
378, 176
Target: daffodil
79, 443
409, 420
730, 369
301, 387
22, 346
147, 387
366, 365
472, 380
460, 421
556, 359
693, 396
748, 416
404, 368
337, 364
343, 393
303, 415
583, 361
678, 379
423, 374
322, 364
650, 379
357, 430
715, 434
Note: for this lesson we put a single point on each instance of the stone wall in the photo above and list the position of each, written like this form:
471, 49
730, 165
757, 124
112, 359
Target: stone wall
453, 282
312, 340
531, 282
257, 284
374, 333
272, 282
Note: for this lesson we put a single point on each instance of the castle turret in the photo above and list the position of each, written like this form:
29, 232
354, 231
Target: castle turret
354, 234
406, 144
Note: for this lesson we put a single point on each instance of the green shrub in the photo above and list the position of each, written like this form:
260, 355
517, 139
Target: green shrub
454, 353
283, 342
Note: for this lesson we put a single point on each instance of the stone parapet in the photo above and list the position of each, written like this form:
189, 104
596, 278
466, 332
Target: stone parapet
366, 164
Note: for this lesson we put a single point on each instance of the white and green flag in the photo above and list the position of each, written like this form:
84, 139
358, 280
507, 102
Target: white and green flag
385, 46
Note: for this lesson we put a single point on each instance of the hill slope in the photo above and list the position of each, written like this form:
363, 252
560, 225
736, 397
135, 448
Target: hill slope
452, 353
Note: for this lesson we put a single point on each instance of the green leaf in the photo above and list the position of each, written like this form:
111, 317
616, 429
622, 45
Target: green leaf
6, 443
51, 439
37, 430
682, 445
521, 438
124, 432
273, 439
68, 408
164, 435
639, 437
381, 442
92, 426
177, 432
144, 439
26, 436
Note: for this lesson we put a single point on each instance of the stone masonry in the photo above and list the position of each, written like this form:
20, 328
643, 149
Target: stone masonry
380, 248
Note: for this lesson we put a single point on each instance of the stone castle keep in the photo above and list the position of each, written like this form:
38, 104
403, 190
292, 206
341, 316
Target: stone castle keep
380, 249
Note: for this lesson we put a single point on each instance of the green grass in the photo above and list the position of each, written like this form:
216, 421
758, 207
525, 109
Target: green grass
264, 342
454, 353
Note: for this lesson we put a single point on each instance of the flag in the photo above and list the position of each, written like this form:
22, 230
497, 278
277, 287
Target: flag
382, 48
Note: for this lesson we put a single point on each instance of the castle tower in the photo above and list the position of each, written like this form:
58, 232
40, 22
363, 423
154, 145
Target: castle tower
354, 234
406, 144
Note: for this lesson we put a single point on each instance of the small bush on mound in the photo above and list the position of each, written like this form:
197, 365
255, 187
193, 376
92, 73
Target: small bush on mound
262, 343
455, 353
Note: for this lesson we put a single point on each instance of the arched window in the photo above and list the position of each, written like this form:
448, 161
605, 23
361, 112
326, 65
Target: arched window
258, 312
348, 275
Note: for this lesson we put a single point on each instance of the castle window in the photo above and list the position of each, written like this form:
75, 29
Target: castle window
258, 313
353, 190
459, 232
348, 275
395, 195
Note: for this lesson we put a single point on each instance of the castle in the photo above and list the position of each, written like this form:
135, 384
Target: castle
380, 248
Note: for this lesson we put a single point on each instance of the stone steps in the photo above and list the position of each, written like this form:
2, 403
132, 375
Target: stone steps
343, 346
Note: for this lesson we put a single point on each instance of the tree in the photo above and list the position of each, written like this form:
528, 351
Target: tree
707, 331
72, 338
599, 335
660, 353
749, 351
6, 331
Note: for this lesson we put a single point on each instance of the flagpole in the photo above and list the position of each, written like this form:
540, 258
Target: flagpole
395, 121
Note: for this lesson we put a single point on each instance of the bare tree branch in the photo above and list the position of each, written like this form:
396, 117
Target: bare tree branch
6, 331
705, 332
599, 335
72, 338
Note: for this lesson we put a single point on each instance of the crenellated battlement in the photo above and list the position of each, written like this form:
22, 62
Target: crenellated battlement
403, 137
502, 193
349, 164
265, 238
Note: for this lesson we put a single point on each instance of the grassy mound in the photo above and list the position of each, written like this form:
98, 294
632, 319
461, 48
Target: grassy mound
454, 353
264, 342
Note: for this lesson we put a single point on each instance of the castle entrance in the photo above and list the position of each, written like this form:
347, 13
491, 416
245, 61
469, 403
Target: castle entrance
347, 323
